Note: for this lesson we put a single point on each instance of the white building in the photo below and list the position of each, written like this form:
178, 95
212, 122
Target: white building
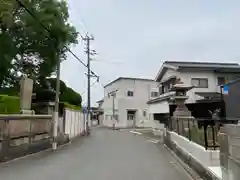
130, 101
205, 77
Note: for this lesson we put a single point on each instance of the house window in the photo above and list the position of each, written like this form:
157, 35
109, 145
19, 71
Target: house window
131, 115
144, 113
154, 94
161, 91
130, 93
200, 82
221, 80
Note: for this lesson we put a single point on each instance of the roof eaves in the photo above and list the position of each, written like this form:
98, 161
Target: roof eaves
128, 78
162, 70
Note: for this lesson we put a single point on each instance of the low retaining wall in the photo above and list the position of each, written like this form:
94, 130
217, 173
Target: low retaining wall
26, 134
193, 154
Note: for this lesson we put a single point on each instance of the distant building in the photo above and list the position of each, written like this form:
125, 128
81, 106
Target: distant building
130, 101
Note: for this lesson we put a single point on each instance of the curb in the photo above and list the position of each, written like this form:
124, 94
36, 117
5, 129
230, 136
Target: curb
189, 162
185, 166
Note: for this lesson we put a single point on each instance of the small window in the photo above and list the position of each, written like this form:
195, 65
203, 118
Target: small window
160, 90
130, 115
130, 93
200, 82
144, 113
221, 80
154, 94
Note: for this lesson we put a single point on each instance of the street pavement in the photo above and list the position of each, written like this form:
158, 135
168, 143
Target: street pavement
105, 155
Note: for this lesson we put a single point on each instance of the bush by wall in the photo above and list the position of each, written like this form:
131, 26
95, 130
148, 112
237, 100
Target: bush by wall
73, 107
9, 104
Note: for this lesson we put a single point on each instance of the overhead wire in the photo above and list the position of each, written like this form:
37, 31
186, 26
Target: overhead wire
67, 48
43, 26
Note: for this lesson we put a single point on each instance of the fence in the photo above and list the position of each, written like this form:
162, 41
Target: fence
22, 134
74, 123
201, 131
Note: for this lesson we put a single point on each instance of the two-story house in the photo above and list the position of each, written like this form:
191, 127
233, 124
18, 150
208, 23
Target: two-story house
205, 77
128, 104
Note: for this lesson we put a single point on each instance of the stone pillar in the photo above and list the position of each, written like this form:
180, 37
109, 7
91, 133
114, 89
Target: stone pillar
26, 88
230, 152
182, 118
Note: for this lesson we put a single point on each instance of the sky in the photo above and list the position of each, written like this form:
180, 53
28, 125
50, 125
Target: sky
134, 37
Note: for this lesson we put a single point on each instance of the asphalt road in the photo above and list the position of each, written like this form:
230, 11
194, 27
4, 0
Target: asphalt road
105, 155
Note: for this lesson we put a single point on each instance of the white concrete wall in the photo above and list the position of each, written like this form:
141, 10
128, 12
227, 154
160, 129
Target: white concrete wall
159, 107
74, 123
142, 93
208, 158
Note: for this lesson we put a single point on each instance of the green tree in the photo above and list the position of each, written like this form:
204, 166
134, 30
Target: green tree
67, 94
25, 46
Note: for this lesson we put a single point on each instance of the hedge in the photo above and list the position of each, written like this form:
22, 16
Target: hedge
9, 104
73, 107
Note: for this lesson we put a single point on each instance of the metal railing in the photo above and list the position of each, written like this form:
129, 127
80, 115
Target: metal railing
22, 134
202, 131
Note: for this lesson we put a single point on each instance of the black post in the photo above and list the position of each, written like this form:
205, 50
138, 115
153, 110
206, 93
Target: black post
183, 131
213, 137
205, 135
189, 131
177, 125
171, 124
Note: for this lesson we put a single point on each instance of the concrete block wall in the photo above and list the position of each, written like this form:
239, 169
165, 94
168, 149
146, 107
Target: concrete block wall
233, 133
206, 157
191, 155
230, 152
74, 123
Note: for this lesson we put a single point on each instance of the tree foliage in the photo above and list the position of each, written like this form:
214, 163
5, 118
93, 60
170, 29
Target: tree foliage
67, 94
25, 46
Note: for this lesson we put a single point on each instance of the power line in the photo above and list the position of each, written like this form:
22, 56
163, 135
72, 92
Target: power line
43, 26
95, 82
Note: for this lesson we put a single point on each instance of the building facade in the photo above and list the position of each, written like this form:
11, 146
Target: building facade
205, 78
126, 98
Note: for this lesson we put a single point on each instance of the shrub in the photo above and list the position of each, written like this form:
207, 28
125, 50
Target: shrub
73, 107
9, 104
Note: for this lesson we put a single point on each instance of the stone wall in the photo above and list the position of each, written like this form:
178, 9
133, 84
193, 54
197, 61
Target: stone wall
230, 152
21, 134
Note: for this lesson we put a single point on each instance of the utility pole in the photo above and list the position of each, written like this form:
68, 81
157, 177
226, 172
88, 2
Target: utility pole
113, 94
55, 114
88, 52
